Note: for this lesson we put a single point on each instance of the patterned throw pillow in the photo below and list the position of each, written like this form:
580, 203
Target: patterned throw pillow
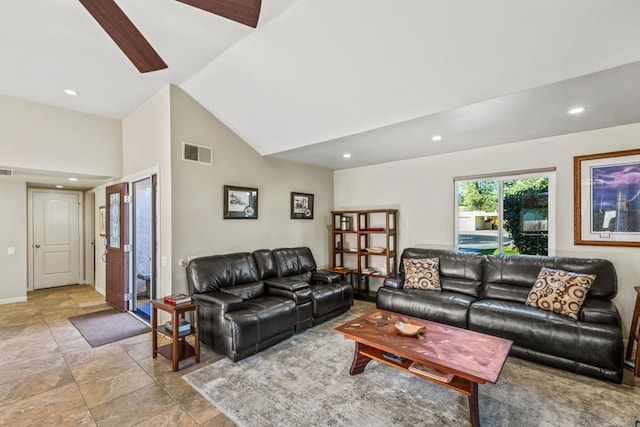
422, 273
560, 291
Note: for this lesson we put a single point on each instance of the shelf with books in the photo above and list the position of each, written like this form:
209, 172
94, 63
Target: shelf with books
370, 235
175, 299
181, 333
184, 328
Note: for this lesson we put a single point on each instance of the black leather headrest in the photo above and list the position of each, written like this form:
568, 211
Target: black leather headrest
292, 261
210, 273
266, 264
461, 265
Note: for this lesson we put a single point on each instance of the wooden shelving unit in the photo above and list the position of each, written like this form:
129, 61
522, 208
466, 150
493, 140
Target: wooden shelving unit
367, 245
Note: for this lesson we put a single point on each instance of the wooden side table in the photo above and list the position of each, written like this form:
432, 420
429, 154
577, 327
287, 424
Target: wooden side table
633, 338
345, 273
179, 349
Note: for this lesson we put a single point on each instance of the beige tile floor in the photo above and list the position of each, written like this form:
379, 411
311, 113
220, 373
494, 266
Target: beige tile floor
50, 376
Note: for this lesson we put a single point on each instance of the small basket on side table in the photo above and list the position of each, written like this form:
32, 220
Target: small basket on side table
179, 349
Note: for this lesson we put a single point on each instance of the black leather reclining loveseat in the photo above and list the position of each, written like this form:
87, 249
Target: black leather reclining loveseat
250, 301
487, 293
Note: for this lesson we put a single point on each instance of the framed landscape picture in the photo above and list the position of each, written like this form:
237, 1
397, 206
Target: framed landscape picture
240, 202
607, 199
301, 206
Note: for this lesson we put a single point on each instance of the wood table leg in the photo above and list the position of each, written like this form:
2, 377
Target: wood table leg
197, 336
175, 357
474, 412
359, 361
634, 334
154, 332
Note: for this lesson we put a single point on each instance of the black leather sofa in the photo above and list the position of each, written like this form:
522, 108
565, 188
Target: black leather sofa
487, 293
250, 301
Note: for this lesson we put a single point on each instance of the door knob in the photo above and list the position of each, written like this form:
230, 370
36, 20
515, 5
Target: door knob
37, 246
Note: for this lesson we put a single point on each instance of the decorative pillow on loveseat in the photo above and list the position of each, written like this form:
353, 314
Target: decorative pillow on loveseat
422, 273
560, 291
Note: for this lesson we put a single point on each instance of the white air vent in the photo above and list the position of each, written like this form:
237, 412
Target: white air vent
7, 172
197, 153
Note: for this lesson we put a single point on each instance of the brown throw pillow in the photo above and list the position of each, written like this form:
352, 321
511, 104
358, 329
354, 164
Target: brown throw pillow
423, 273
560, 291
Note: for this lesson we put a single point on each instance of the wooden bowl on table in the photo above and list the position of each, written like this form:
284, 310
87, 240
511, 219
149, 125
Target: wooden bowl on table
409, 330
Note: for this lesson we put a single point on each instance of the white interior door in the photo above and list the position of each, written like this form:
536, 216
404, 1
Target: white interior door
55, 238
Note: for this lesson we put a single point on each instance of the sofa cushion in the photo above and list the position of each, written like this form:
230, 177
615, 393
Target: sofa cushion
548, 332
596, 310
211, 273
422, 273
443, 307
560, 291
526, 326
463, 271
294, 261
265, 263
246, 291
510, 277
327, 297
258, 320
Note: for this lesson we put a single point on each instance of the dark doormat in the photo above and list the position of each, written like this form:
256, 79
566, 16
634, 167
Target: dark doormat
107, 326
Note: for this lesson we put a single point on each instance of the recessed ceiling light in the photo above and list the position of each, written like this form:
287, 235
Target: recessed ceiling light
436, 138
70, 92
577, 110
73, 179
59, 186
346, 155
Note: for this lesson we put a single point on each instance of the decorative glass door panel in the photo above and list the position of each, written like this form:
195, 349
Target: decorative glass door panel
117, 285
114, 220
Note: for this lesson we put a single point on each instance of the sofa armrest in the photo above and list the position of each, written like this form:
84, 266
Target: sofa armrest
286, 285
324, 276
226, 302
297, 290
393, 281
595, 310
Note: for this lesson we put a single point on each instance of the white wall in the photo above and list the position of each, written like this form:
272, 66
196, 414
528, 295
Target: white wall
37, 136
198, 227
89, 238
13, 233
100, 283
422, 190
146, 149
40, 137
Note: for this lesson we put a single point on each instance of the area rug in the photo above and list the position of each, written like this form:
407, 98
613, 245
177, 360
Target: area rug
107, 326
304, 381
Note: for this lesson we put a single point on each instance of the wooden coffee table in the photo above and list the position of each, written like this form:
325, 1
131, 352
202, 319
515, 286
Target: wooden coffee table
471, 357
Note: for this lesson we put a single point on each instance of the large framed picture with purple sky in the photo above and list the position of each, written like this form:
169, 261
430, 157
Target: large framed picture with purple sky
607, 199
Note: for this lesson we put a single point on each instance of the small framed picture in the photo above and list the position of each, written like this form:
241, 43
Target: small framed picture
240, 202
301, 206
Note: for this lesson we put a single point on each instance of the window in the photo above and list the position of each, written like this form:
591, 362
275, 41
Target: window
511, 214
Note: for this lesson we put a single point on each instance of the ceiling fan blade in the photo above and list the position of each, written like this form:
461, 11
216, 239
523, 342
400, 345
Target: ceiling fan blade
245, 12
120, 28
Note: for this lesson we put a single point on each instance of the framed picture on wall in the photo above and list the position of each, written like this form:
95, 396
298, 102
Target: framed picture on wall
301, 206
607, 199
240, 202
101, 221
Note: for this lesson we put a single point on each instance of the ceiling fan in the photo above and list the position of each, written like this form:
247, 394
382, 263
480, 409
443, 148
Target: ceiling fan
120, 28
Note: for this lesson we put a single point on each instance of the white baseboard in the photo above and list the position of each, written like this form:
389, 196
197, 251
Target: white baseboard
12, 300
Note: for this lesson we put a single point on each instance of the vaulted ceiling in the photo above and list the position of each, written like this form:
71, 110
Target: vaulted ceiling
375, 78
